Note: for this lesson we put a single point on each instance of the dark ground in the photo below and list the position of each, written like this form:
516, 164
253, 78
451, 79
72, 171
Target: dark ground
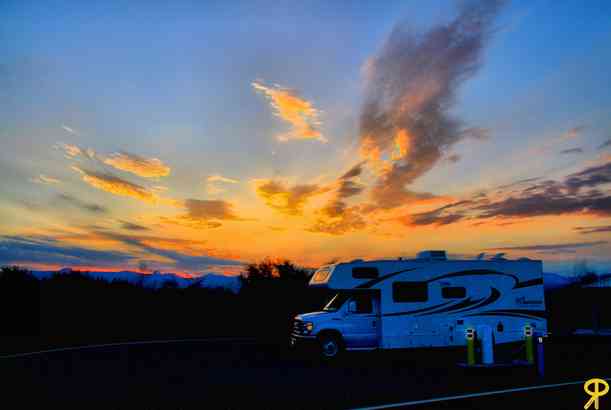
243, 374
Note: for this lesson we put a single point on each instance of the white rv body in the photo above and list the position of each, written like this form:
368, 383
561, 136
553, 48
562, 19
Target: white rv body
427, 302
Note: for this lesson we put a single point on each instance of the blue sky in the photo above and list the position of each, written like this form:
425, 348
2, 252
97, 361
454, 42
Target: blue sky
173, 82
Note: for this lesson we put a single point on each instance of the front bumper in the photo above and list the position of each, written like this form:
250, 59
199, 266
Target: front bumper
301, 341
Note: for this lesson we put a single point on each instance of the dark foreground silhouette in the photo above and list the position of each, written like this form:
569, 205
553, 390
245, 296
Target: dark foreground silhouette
74, 309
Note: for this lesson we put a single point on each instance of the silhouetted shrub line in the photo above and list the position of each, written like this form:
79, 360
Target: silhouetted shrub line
71, 309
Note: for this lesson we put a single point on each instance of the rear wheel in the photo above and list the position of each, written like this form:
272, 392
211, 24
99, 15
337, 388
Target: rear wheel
330, 346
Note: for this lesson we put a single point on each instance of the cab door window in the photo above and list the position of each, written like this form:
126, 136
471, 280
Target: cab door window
364, 304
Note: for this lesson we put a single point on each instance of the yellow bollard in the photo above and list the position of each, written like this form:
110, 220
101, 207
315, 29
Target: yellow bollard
470, 335
530, 351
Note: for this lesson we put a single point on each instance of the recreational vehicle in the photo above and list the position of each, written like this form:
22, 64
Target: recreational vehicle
429, 301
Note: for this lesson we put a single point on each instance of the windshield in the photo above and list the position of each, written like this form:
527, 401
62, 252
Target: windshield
336, 302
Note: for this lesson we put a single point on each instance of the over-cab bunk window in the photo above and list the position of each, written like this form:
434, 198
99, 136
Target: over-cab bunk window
410, 291
453, 292
364, 272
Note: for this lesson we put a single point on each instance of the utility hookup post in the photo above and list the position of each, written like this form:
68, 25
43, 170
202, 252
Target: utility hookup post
470, 336
528, 338
540, 355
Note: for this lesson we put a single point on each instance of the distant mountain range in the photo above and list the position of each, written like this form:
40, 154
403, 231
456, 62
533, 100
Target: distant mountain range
157, 280
232, 283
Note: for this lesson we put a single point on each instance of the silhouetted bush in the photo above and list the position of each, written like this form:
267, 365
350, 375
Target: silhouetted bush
74, 308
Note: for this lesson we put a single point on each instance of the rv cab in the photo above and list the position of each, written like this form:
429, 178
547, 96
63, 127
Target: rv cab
428, 301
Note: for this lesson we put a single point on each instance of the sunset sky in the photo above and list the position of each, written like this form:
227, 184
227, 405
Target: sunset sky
194, 136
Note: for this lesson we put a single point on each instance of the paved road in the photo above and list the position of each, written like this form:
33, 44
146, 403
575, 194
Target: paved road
244, 374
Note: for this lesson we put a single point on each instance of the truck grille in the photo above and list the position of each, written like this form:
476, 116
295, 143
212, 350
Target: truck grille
298, 327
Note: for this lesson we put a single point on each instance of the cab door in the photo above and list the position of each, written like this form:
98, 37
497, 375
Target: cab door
362, 323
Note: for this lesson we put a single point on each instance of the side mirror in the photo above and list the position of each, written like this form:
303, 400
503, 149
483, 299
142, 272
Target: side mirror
352, 306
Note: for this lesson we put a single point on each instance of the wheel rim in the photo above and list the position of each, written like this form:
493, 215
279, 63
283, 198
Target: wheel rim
329, 348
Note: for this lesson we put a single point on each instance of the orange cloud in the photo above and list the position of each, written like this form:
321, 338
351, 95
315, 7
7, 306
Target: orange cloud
210, 209
297, 111
143, 167
117, 186
338, 221
285, 199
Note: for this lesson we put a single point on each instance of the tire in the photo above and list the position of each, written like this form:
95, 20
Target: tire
330, 346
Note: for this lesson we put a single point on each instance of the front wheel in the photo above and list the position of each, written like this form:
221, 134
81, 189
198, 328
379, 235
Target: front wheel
330, 346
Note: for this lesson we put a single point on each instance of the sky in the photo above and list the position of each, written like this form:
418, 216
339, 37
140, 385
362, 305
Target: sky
198, 136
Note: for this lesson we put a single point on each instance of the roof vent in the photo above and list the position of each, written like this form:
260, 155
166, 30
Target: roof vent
498, 257
432, 255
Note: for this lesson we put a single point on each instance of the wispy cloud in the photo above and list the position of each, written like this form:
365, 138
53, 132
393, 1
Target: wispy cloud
117, 186
141, 166
578, 193
549, 247
179, 259
573, 133
220, 178
69, 130
585, 230
294, 109
213, 183
73, 151
49, 251
87, 206
130, 226
43, 179
572, 151
605, 144
410, 87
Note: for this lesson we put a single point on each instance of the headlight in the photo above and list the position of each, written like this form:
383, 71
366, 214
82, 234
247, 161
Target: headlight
309, 326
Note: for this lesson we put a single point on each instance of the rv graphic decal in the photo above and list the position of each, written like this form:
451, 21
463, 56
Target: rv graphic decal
523, 301
512, 312
517, 283
382, 278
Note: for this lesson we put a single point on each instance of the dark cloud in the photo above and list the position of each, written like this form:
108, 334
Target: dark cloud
349, 188
605, 144
180, 260
130, 226
561, 247
439, 216
519, 182
87, 206
581, 192
336, 217
572, 151
355, 171
590, 177
15, 249
592, 229
411, 87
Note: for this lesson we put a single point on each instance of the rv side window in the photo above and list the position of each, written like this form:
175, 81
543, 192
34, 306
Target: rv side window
410, 291
453, 292
364, 272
